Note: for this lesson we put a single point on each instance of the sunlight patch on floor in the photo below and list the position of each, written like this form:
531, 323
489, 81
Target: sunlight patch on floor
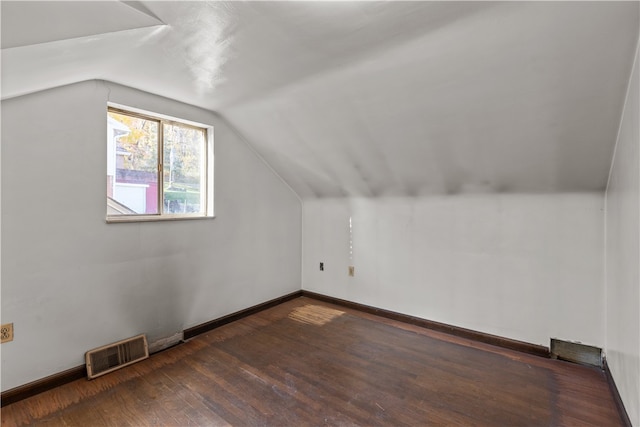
314, 314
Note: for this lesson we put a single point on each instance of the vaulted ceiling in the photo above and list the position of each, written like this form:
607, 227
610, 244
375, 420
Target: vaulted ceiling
363, 98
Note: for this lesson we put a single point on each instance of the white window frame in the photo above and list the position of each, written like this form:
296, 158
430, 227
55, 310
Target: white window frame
207, 180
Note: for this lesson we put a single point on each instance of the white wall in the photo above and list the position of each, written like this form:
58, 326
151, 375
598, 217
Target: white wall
71, 282
623, 256
527, 267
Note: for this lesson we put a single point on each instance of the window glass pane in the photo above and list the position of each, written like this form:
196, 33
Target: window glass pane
132, 165
183, 169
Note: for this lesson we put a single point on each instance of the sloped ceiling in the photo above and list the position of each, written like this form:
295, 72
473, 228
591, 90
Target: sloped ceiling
363, 98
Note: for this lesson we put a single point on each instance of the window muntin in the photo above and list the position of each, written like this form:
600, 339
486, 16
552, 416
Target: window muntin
156, 168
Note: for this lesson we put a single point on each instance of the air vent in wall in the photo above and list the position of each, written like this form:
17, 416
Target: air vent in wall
108, 358
576, 352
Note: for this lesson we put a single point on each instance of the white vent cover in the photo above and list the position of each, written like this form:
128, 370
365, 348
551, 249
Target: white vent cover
108, 358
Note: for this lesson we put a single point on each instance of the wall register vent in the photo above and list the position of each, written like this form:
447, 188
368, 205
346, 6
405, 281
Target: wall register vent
108, 358
576, 352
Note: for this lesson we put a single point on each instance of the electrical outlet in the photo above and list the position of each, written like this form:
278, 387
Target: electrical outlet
322, 266
6, 332
352, 271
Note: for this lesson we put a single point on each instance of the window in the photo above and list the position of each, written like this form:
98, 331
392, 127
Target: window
157, 168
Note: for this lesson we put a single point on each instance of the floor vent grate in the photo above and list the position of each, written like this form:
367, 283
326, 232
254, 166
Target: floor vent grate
108, 358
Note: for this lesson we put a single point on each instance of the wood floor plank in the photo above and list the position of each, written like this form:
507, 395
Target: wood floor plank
307, 362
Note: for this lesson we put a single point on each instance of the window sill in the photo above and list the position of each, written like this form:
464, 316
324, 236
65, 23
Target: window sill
154, 218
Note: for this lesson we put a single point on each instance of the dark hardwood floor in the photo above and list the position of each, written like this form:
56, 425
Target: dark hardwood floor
307, 362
